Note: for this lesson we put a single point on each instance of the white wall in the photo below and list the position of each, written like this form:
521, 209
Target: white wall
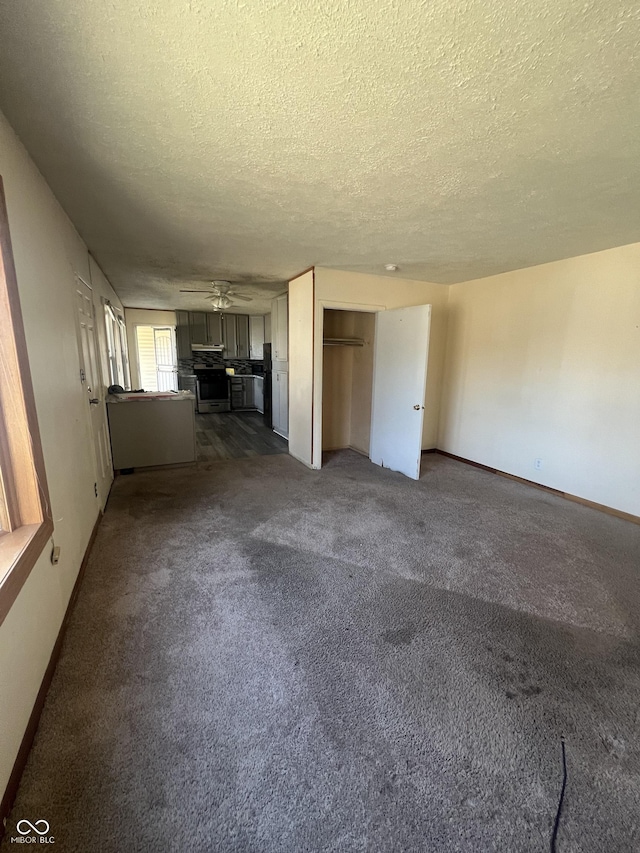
142, 317
300, 355
543, 363
48, 252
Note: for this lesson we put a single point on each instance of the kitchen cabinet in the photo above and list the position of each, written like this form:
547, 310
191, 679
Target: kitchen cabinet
195, 327
242, 335
256, 336
280, 405
188, 382
232, 331
214, 329
235, 332
279, 329
198, 327
238, 393
242, 392
183, 335
258, 395
247, 392
280, 376
230, 336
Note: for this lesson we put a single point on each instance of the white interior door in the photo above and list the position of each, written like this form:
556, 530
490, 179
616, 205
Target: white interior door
399, 380
94, 391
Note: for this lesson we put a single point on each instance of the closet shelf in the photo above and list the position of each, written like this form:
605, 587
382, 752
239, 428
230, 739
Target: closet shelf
343, 342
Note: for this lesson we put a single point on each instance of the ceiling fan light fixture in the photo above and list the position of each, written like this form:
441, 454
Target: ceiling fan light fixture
220, 301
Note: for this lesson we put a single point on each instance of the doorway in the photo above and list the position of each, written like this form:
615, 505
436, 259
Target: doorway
157, 358
372, 385
347, 379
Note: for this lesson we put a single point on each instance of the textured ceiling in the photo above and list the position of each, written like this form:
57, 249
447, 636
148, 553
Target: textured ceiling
250, 140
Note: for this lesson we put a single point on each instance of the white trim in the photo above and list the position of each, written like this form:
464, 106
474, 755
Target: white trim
297, 458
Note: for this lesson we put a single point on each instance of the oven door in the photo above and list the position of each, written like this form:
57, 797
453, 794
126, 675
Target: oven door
213, 391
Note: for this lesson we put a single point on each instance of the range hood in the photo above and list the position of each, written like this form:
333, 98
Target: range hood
207, 347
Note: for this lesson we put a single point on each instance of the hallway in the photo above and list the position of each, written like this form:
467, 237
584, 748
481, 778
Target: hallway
266, 658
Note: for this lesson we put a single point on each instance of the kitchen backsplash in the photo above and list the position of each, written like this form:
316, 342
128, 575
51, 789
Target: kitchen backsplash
243, 367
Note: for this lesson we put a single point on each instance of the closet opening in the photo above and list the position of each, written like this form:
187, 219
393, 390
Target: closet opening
347, 379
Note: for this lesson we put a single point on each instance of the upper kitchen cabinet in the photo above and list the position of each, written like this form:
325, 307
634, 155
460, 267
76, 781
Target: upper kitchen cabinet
183, 335
198, 326
230, 335
235, 332
240, 335
242, 332
256, 336
279, 328
214, 329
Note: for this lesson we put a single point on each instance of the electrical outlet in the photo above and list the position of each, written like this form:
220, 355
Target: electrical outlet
537, 464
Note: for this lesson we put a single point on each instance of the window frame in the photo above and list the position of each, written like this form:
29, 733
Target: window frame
27, 522
117, 348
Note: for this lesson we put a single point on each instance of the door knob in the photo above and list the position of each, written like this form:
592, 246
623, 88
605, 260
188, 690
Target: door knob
417, 408
94, 401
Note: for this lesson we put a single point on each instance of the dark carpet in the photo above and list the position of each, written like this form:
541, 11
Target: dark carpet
264, 658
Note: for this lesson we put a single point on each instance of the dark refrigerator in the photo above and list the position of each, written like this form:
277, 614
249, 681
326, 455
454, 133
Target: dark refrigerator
268, 419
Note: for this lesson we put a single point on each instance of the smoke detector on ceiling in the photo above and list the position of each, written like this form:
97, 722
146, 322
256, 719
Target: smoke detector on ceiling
391, 267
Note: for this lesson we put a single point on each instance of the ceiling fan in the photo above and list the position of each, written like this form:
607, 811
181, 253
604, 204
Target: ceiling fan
221, 294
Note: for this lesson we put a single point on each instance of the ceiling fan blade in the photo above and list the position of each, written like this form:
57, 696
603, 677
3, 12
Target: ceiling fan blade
240, 296
196, 291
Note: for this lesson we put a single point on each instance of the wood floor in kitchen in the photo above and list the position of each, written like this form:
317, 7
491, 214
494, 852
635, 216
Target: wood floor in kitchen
235, 435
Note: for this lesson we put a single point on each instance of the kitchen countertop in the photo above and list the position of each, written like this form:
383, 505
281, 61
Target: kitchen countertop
153, 396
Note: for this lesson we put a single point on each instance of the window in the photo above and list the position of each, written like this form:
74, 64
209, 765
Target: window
117, 347
25, 516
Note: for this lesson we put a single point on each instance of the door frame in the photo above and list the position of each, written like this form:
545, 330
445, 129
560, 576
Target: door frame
102, 493
318, 330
